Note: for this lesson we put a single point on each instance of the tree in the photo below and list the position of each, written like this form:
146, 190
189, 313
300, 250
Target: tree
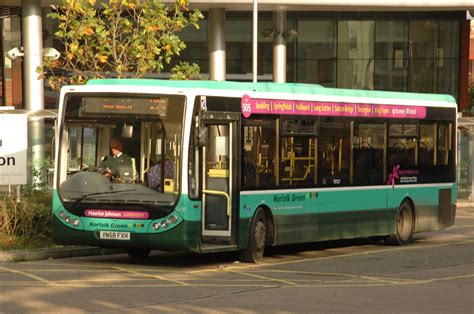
119, 38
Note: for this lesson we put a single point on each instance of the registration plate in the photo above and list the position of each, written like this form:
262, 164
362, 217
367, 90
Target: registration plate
114, 235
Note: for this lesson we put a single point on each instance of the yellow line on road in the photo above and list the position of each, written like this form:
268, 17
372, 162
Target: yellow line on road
31, 276
288, 284
353, 276
262, 277
182, 283
395, 249
151, 285
391, 283
426, 281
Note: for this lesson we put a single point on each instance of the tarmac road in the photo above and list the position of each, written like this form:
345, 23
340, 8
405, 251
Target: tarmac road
435, 274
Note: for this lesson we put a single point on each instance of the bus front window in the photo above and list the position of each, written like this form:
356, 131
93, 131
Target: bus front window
118, 149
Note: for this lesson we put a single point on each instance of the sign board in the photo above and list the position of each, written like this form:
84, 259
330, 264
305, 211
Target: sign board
126, 105
251, 106
13, 149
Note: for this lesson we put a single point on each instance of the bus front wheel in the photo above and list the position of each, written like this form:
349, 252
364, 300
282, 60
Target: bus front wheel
255, 249
404, 225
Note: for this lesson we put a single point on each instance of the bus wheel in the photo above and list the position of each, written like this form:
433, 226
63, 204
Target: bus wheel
138, 253
404, 225
253, 253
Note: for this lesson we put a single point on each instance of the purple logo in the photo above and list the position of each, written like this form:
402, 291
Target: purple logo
393, 176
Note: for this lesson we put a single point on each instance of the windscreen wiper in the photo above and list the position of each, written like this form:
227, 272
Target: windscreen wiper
83, 197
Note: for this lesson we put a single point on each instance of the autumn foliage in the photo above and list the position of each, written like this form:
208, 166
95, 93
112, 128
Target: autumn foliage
119, 38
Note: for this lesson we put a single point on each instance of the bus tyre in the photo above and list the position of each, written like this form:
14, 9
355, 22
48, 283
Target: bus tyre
138, 253
404, 225
253, 253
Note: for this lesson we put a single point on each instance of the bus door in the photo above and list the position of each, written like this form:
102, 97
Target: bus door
219, 186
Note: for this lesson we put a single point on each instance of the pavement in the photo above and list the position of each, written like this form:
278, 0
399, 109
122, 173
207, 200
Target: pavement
76, 251
53, 253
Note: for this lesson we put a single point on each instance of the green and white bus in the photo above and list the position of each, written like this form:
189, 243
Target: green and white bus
233, 166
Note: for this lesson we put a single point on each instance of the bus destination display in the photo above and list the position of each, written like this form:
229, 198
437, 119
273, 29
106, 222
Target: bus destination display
115, 105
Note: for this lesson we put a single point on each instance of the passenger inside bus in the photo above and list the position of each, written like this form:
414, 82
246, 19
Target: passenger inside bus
153, 175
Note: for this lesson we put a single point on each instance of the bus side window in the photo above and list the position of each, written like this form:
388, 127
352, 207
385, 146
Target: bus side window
402, 145
259, 148
368, 149
444, 144
444, 153
334, 150
427, 142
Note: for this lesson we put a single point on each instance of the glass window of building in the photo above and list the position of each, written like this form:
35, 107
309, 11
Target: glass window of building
422, 56
355, 66
391, 43
448, 58
239, 46
197, 50
316, 52
10, 70
50, 26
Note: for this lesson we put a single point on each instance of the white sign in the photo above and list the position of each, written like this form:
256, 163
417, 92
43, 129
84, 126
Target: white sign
13, 149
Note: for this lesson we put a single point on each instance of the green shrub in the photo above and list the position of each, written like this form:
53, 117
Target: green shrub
29, 217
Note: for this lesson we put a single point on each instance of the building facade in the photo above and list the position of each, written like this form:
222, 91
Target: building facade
417, 49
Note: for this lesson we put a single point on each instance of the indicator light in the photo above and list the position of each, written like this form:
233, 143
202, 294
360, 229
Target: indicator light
173, 219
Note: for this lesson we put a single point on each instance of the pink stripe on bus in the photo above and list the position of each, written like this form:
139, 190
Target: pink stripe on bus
251, 106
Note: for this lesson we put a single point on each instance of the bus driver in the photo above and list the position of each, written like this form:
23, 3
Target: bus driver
112, 163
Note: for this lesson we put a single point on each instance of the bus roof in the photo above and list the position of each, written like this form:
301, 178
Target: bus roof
293, 88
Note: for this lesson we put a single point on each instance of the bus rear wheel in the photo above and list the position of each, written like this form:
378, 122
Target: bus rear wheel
138, 253
255, 249
404, 225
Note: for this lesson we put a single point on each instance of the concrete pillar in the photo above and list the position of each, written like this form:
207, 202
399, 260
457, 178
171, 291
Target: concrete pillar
33, 49
217, 41
279, 46
33, 95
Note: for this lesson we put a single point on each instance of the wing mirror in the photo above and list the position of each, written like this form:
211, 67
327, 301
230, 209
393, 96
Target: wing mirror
127, 130
202, 135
